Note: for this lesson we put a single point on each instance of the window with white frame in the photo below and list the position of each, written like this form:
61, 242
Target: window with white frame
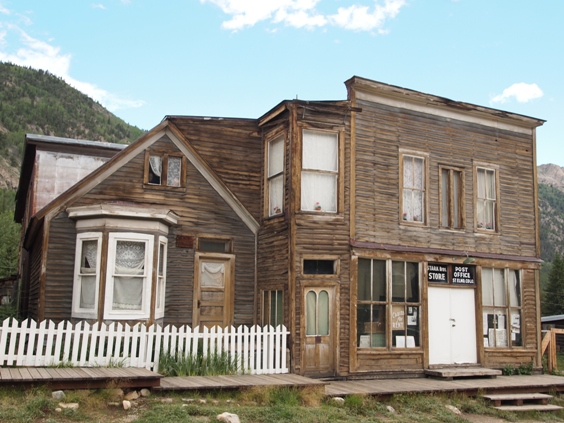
160, 291
272, 307
87, 275
276, 176
413, 188
130, 264
389, 304
486, 198
501, 302
320, 171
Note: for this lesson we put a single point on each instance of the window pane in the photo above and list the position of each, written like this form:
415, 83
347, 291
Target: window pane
311, 311
130, 258
279, 308
499, 288
490, 184
516, 337
418, 173
272, 319
323, 309
276, 195
445, 204
363, 325
408, 172
214, 245
457, 183
161, 259
173, 174
379, 282
128, 293
489, 214
319, 192
276, 156
487, 287
413, 331
398, 326
481, 183
213, 275
155, 169
514, 288
319, 267
87, 291
418, 212
412, 282
364, 279
407, 205
320, 151
398, 281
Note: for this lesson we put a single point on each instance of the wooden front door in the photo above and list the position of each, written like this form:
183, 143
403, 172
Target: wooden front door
213, 290
319, 330
452, 326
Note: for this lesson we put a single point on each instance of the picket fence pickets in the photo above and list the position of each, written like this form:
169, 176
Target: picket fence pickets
257, 350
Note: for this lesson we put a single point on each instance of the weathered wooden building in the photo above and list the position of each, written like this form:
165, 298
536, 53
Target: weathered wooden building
390, 232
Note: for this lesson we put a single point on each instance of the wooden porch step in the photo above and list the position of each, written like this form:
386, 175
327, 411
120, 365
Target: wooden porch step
529, 407
449, 373
518, 399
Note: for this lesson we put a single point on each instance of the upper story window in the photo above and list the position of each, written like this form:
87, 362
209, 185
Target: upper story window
452, 198
275, 176
320, 171
414, 188
486, 198
164, 170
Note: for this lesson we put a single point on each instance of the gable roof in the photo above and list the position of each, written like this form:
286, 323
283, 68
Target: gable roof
117, 161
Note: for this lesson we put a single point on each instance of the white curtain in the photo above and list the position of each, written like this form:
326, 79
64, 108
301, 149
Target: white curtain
413, 189
323, 325
514, 289
276, 156
173, 173
311, 313
276, 195
156, 165
319, 192
129, 275
213, 275
320, 151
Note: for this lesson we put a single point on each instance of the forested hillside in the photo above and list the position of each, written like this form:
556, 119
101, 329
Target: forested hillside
35, 101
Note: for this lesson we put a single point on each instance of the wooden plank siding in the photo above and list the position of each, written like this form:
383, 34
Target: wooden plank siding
35, 273
201, 211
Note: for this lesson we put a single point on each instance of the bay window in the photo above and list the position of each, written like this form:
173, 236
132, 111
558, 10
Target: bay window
320, 171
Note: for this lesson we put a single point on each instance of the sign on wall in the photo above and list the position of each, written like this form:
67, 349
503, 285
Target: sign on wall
455, 274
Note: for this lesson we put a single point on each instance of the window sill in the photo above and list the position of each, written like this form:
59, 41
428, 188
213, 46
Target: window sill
413, 225
164, 188
84, 315
320, 215
485, 232
385, 350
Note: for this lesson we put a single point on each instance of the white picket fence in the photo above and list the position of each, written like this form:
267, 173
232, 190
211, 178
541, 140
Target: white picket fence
257, 350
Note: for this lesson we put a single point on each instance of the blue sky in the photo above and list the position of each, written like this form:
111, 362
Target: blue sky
145, 59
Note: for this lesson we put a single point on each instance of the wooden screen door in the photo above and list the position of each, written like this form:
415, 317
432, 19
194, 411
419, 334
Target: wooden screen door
452, 326
319, 339
213, 290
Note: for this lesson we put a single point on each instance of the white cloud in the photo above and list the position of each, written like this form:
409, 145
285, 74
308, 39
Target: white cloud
98, 6
3, 10
303, 14
39, 54
521, 91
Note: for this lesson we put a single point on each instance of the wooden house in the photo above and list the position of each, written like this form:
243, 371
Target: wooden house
390, 232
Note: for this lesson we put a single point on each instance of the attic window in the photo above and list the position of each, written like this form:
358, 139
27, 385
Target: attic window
164, 170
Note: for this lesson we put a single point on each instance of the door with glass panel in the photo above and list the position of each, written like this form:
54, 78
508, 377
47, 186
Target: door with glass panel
213, 290
319, 345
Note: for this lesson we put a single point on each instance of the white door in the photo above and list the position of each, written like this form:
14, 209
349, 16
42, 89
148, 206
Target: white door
452, 326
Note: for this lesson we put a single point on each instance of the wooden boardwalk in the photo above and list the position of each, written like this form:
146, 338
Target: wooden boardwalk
78, 377
500, 385
191, 383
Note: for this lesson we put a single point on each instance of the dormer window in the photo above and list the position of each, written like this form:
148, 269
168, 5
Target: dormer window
164, 170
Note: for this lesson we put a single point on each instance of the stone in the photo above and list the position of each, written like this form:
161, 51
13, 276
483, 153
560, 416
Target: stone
114, 404
145, 392
339, 400
202, 401
58, 410
126, 404
391, 409
188, 399
69, 405
215, 402
58, 395
116, 394
228, 418
167, 400
132, 395
454, 409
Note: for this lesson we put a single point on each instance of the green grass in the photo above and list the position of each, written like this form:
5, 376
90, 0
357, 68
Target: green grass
177, 364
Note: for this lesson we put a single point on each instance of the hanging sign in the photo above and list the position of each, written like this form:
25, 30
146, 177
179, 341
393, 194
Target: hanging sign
437, 273
463, 275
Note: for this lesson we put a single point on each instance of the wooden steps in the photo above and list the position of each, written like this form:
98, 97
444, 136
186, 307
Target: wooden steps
450, 373
522, 402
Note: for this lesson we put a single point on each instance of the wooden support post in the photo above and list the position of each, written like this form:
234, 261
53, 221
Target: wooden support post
552, 360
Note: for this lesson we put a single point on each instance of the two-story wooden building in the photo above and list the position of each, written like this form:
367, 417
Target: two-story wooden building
390, 232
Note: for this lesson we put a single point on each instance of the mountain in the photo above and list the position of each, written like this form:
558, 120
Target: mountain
35, 101
551, 205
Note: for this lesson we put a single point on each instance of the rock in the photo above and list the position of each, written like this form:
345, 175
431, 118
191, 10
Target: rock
188, 399
133, 395
228, 418
114, 404
339, 400
391, 409
167, 400
116, 394
69, 405
58, 410
58, 395
454, 409
202, 401
215, 402
145, 392
126, 404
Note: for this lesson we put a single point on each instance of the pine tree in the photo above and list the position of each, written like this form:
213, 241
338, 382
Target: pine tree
553, 298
